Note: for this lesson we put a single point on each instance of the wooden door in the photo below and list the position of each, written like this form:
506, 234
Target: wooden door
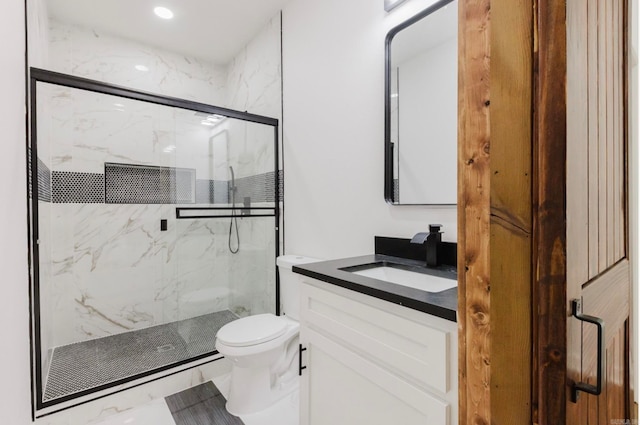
596, 251
542, 182
582, 176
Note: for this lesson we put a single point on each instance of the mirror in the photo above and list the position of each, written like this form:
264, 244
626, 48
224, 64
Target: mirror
421, 108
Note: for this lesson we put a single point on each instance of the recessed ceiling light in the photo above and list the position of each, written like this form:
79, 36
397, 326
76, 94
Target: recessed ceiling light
141, 68
163, 12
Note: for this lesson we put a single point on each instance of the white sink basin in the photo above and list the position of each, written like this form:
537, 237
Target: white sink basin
425, 282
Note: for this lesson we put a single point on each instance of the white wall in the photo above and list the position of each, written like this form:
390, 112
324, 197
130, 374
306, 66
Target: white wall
333, 85
14, 314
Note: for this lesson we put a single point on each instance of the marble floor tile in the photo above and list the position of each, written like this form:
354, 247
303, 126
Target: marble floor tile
204, 405
201, 405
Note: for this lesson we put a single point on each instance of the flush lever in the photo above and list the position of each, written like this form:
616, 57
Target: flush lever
576, 311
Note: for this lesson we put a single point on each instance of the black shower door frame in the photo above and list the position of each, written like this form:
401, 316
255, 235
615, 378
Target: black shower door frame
45, 76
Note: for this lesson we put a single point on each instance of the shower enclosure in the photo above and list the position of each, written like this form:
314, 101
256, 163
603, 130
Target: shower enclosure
154, 222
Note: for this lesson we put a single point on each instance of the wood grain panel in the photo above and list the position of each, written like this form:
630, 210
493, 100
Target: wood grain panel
577, 192
607, 166
606, 297
611, 403
473, 212
592, 94
602, 135
577, 143
615, 403
610, 119
549, 215
624, 119
617, 130
495, 211
621, 201
511, 210
593, 411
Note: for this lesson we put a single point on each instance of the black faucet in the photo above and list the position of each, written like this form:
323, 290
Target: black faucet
432, 240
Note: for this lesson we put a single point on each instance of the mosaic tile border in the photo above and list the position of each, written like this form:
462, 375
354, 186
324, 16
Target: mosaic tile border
260, 188
175, 187
69, 187
44, 182
212, 191
148, 184
44, 179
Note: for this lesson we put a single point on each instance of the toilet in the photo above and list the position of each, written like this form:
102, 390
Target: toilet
263, 348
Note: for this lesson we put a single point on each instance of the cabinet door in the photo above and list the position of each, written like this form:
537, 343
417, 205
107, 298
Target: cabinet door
394, 337
341, 387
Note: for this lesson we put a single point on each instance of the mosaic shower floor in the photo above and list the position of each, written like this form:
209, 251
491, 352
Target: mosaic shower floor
90, 364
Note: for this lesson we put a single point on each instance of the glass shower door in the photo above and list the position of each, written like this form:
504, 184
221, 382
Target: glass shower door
154, 225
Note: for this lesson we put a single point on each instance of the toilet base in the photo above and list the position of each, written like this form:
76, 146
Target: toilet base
251, 390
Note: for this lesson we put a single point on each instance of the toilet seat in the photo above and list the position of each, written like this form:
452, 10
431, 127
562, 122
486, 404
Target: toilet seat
252, 330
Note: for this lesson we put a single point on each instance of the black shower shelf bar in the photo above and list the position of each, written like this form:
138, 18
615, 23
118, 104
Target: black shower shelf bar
183, 213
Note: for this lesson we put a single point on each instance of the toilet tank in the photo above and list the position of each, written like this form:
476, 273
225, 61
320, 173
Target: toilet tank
290, 283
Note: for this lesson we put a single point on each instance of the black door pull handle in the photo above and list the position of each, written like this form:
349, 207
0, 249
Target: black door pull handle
300, 367
576, 311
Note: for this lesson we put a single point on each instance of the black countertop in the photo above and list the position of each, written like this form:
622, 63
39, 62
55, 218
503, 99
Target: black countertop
441, 304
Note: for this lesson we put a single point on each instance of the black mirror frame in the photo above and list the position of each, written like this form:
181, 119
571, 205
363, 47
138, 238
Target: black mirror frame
388, 146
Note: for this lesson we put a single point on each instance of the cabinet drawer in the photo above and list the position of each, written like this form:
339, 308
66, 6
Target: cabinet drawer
415, 351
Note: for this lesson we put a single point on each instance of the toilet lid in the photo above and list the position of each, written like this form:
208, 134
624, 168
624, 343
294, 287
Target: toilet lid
252, 330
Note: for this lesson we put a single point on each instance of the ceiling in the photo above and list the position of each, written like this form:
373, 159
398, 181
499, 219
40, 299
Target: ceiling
213, 30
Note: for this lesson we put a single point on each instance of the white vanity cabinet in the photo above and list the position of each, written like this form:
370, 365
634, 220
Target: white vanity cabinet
369, 361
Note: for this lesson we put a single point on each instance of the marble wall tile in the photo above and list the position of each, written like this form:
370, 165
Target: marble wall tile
254, 85
112, 269
254, 75
252, 269
251, 148
107, 263
92, 54
38, 24
193, 145
219, 148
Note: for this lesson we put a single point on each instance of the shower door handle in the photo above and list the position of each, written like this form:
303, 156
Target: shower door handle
300, 367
